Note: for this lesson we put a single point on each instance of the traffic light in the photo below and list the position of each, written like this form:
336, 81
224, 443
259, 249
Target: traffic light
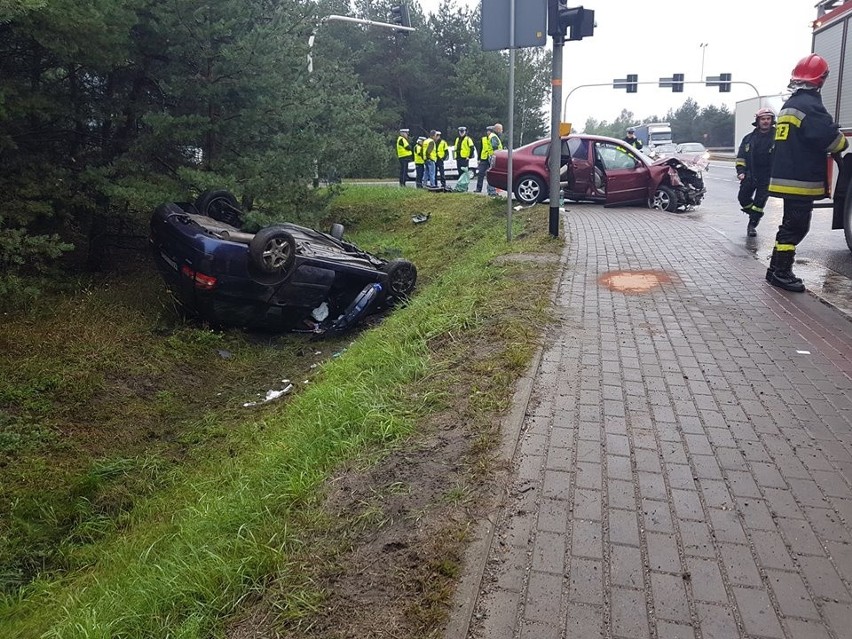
560, 18
400, 16
630, 83
723, 81
675, 83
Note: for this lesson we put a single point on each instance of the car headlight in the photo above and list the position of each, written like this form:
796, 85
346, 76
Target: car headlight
706, 155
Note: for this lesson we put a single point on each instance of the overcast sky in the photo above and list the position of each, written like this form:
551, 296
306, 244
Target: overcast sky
757, 41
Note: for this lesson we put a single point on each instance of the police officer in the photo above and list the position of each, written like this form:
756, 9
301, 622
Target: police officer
442, 153
464, 152
804, 135
754, 161
419, 162
631, 138
403, 154
485, 153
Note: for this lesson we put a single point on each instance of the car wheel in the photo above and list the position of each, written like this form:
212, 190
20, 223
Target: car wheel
336, 231
402, 275
221, 205
530, 189
665, 199
273, 251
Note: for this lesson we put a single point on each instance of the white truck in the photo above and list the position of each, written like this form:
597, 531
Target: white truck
654, 134
831, 39
744, 114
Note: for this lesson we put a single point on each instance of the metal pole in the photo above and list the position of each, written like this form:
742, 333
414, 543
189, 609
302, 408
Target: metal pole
703, 46
511, 119
555, 137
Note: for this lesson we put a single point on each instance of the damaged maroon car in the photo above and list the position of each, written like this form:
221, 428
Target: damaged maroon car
600, 169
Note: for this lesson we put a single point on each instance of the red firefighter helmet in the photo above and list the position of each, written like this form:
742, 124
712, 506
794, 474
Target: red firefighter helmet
812, 69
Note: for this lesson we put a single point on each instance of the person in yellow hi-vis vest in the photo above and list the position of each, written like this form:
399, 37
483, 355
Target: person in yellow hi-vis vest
484, 157
419, 162
430, 154
464, 152
495, 144
403, 154
442, 151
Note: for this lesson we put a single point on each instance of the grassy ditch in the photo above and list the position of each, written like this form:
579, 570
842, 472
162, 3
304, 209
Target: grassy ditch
143, 500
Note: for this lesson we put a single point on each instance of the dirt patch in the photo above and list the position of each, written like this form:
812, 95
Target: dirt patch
395, 578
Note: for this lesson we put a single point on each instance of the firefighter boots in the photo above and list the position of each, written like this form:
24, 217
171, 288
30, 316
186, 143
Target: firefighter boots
780, 272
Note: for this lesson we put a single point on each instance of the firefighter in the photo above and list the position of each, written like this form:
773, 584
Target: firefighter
419, 162
754, 161
804, 136
442, 153
403, 154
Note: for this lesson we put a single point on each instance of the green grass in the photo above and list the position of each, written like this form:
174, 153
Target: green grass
168, 532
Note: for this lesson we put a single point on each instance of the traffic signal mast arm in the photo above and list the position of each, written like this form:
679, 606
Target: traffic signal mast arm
623, 84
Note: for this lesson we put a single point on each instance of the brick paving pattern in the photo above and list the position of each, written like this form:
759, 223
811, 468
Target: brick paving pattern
684, 468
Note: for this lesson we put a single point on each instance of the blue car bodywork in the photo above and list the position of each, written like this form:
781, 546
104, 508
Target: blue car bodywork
285, 277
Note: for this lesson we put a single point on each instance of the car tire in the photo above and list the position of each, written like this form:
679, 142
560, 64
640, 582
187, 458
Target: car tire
336, 231
530, 189
402, 276
273, 251
665, 199
220, 205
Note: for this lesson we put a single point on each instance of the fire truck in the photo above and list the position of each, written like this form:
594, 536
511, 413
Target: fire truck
831, 40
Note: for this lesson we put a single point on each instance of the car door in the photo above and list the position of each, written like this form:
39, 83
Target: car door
581, 180
625, 175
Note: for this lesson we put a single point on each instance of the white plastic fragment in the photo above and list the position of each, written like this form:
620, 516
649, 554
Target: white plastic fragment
803, 352
270, 395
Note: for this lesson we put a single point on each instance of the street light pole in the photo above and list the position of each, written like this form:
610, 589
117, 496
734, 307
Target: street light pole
703, 46
312, 37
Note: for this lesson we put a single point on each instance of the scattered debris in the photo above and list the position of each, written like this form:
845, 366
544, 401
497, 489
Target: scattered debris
420, 218
271, 395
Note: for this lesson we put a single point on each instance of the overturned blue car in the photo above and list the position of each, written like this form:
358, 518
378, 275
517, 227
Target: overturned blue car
285, 277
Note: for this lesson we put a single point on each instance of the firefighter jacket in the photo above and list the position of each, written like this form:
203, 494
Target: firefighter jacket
804, 134
418, 153
441, 151
754, 156
429, 152
403, 148
464, 147
487, 151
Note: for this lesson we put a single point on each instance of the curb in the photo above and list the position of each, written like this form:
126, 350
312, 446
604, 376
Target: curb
483, 532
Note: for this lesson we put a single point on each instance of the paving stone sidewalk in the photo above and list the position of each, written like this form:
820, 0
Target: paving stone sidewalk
685, 463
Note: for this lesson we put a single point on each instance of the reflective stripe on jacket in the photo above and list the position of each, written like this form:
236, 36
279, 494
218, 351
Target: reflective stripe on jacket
804, 135
403, 147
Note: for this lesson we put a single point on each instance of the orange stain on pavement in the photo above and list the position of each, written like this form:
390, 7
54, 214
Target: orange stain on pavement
634, 281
